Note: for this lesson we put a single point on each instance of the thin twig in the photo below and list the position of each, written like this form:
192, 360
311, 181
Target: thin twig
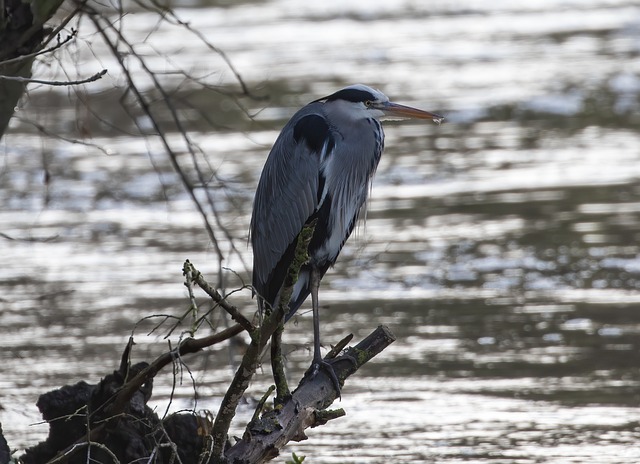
43, 130
38, 26
169, 15
93, 78
60, 44
187, 346
221, 53
196, 276
88, 444
188, 271
261, 403
96, 19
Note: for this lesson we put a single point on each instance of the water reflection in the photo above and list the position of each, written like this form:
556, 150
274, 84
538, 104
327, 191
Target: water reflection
501, 247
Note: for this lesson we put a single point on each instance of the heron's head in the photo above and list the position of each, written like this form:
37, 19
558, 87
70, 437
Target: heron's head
363, 101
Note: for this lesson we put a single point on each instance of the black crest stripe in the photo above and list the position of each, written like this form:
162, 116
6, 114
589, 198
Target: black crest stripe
352, 95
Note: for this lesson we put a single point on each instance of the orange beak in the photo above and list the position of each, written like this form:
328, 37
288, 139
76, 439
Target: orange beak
397, 111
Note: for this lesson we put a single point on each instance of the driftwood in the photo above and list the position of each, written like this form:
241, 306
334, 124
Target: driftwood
95, 420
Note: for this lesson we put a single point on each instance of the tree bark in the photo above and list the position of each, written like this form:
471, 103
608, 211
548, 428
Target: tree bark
21, 35
263, 438
11, 91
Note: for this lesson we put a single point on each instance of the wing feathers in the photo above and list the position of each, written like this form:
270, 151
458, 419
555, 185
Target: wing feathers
287, 196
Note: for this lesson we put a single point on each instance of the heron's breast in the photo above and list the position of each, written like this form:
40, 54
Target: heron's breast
343, 213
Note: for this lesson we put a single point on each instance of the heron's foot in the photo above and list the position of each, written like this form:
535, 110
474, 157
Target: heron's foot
344, 356
327, 366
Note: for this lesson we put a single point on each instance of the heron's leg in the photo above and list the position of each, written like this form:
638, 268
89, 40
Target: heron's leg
318, 362
277, 366
315, 286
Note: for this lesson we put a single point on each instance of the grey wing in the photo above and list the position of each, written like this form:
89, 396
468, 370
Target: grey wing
287, 196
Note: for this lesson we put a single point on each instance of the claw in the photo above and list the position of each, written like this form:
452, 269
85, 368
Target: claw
327, 366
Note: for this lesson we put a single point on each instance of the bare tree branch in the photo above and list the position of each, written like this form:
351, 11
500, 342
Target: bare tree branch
97, 21
93, 78
193, 275
60, 44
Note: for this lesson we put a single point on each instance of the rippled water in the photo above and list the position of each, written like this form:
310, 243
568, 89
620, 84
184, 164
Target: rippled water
501, 248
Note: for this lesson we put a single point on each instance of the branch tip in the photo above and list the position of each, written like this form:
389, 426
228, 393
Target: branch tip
324, 416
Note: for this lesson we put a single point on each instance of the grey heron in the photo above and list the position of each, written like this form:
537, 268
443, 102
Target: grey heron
319, 169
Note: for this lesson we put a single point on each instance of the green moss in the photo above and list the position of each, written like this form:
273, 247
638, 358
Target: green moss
301, 257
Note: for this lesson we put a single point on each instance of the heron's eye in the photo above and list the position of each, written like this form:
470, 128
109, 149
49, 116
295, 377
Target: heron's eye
368, 103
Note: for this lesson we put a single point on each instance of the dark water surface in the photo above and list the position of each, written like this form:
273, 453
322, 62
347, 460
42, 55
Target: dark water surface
501, 248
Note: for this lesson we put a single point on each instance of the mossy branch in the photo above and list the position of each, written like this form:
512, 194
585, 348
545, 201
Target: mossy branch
259, 338
301, 257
